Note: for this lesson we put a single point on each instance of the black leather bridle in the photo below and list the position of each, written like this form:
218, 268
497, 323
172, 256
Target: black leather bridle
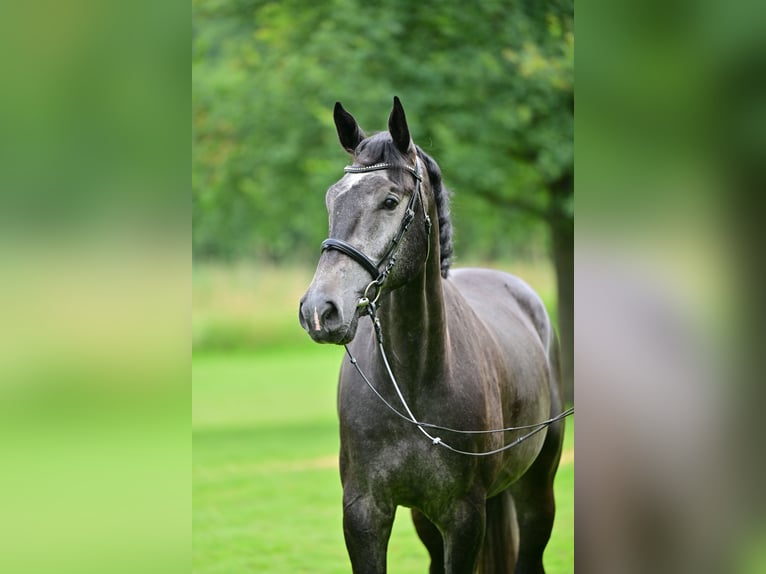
369, 302
389, 257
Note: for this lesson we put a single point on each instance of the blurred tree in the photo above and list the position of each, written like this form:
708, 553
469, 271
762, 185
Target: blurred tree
489, 93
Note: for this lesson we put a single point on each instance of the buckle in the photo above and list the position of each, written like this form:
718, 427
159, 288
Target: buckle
365, 300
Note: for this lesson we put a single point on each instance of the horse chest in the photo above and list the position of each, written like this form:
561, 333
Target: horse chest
413, 475
403, 464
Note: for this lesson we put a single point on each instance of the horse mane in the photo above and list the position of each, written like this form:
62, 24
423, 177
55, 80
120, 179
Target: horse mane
380, 148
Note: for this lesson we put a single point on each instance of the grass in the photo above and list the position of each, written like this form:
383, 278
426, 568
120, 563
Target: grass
266, 488
246, 305
265, 480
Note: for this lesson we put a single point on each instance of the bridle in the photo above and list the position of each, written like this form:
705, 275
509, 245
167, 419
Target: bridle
389, 257
368, 303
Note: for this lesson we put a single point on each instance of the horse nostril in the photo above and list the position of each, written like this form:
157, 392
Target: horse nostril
320, 315
329, 314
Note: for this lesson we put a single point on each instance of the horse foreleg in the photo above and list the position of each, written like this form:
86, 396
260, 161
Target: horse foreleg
432, 539
463, 528
535, 504
367, 528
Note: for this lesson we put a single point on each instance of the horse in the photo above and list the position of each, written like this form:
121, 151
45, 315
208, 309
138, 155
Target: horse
470, 349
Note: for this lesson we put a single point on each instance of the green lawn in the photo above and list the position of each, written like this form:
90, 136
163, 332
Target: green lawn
265, 480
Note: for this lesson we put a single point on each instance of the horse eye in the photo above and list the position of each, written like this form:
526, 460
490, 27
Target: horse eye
390, 203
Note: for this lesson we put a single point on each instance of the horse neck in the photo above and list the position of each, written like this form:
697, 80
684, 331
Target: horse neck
414, 325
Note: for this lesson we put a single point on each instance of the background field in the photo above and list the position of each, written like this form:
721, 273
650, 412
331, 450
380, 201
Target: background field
265, 479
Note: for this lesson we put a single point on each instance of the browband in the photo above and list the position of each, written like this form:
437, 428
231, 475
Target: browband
382, 166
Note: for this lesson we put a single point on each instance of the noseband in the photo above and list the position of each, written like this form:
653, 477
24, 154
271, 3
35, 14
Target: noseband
389, 257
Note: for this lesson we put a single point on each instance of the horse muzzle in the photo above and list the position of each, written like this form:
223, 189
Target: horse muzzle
325, 321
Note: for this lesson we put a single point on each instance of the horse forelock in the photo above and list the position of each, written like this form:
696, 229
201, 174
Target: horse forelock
380, 148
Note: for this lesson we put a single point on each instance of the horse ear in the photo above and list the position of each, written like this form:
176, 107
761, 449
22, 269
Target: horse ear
349, 132
397, 127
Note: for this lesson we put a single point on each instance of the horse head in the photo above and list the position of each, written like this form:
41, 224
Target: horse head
371, 249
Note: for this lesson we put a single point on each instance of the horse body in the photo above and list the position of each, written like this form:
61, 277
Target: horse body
518, 341
471, 351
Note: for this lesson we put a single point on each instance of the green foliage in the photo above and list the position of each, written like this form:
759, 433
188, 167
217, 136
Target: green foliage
488, 92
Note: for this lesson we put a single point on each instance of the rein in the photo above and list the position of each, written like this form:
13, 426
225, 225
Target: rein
410, 418
369, 303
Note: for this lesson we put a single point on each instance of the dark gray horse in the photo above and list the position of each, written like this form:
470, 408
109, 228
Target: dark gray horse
467, 349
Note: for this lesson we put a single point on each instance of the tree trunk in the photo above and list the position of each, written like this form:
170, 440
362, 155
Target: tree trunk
562, 236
